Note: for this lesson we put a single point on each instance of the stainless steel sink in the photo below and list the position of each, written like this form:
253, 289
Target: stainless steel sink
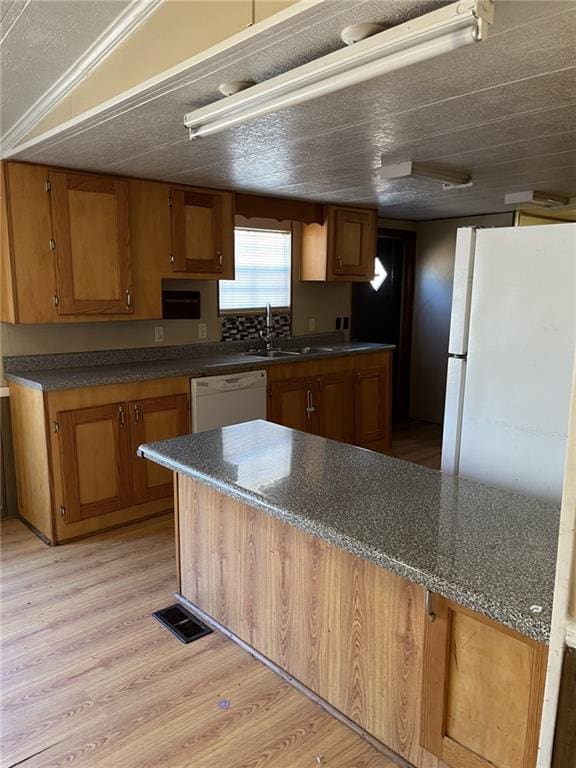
271, 353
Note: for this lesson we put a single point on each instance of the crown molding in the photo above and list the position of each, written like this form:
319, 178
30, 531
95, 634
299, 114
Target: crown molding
122, 27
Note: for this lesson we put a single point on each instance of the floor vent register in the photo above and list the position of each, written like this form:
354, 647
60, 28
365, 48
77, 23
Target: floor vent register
182, 624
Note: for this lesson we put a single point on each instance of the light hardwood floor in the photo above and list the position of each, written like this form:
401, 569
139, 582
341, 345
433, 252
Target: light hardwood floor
89, 678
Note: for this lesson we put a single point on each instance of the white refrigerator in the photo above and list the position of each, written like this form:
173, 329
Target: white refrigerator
511, 357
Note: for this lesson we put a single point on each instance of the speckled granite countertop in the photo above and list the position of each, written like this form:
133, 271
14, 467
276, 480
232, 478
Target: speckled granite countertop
490, 550
197, 364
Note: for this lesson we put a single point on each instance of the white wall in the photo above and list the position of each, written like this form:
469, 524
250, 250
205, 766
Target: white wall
435, 249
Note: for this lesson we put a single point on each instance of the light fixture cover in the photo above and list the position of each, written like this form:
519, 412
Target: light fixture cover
538, 198
447, 176
440, 32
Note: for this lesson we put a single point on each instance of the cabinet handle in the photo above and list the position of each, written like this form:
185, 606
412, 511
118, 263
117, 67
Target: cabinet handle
121, 415
136, 414
309, 404
128, 298
339, 262
220, 258
429, 607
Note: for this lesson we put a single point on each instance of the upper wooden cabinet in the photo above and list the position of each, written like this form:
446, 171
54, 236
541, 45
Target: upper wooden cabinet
79, 247
90, 217
343, 247
202, 228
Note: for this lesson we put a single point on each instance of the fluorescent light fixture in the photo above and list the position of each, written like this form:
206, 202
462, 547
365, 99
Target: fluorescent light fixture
448, 176
433, 34
534, 197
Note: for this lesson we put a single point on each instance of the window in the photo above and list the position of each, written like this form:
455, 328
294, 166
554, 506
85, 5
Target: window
263, 267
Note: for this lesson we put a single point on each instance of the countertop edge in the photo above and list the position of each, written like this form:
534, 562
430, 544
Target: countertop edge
533, 628
201, 370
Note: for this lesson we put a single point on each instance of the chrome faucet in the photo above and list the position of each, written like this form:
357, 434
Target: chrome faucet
267, 335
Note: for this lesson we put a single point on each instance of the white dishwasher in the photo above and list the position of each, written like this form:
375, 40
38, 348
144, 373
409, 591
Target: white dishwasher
229, 399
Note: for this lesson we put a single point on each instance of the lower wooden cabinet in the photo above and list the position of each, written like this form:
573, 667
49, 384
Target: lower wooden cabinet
334, 395
483, 690
77, 471
101, 471
153, 419
347, 399
94, 448
292, 405
371, 409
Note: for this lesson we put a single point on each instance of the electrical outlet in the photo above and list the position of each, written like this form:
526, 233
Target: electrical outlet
202, 330
312, 324
158, 333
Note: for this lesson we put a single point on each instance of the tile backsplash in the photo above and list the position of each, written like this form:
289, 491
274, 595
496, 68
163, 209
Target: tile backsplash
243, 327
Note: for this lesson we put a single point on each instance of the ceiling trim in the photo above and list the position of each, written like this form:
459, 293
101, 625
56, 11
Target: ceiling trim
164, 82
124, 25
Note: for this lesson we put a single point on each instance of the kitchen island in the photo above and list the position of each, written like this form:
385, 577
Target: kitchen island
414, 604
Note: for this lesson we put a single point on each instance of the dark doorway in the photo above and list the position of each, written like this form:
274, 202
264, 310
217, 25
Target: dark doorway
382, 310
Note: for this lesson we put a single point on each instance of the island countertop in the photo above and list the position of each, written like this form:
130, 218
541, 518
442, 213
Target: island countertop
489, 550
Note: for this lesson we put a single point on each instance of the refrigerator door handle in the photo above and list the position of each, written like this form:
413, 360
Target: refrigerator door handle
454, 356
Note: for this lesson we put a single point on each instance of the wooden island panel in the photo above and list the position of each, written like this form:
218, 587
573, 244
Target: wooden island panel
345, 628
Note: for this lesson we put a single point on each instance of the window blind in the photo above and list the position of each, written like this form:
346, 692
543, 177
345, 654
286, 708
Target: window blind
263, 267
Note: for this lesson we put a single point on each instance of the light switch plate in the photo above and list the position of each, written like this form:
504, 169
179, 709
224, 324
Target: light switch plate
312, 324
202, 330
158, 334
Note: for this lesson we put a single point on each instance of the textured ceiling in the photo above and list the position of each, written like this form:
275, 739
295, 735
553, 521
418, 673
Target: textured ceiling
39, 41
504, 110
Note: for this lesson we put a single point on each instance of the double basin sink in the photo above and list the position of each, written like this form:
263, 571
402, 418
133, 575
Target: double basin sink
302, 351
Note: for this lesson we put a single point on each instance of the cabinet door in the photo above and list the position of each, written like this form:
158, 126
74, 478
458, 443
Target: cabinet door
335, 412
152, 419
292, 404
352, 241
372, 405
90, 218
483, 689
94, 446
202, 232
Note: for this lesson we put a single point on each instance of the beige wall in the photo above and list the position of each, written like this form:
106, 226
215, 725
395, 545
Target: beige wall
435, 249
176, 31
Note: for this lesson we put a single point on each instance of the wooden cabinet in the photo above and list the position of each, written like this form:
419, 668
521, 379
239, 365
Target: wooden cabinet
292, 404
202, 227
94, 447
90, 217
101, 471
334, 395
483, 689
346, 399
77, 471
81, 247
343, 247
153, 419
372, 404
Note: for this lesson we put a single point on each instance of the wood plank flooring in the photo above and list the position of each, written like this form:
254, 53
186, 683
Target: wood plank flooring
89, 678
417, 441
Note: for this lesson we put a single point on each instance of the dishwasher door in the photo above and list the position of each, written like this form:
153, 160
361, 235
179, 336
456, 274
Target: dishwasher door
229, 399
